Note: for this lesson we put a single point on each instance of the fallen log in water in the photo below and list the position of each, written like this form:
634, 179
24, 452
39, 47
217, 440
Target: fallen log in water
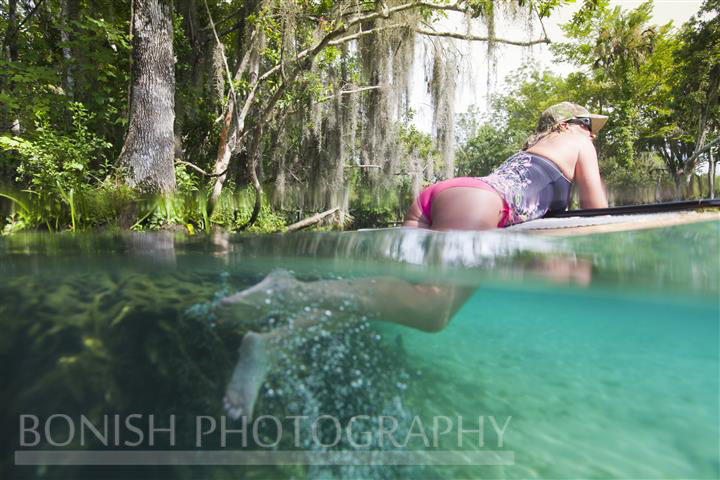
311, 220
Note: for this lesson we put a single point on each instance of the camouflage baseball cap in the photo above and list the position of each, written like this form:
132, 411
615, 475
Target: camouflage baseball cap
562, 112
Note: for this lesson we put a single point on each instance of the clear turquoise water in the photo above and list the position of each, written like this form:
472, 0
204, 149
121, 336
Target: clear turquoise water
597, 386
612, 376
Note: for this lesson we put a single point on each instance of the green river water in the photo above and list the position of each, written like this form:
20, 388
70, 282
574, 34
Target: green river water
598, 355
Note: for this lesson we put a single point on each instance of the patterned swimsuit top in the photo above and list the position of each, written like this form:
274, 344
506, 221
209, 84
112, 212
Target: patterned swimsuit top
532, 186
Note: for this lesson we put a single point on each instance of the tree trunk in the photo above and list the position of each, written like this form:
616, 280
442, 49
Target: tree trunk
712, 95
147, 155
312, 220
228, 139
711, 174
234, 120
10, 42
65, 17
233, 126
679, 186
252, 173
11, 32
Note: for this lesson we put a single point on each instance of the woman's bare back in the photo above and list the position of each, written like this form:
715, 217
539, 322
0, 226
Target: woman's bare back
572, 150
563, 148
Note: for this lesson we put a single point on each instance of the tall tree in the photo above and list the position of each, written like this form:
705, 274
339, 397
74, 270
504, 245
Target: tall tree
147, 155
698, 59
626, 63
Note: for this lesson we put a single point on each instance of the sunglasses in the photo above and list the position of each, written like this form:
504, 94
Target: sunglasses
582, 121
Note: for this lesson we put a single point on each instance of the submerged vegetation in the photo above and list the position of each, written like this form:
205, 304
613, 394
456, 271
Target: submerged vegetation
99, 339
262, 113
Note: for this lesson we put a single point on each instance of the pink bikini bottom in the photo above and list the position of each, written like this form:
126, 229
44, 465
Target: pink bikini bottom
425, 198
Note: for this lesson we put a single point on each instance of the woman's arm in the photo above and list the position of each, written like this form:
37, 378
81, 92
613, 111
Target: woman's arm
587, 177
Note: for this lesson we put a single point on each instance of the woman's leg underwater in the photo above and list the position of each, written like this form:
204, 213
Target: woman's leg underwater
332, 303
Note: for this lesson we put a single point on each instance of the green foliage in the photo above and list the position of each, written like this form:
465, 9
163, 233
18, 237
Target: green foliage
106, 205
483, 143
23, 216
613, 43
53, 162
370, 211
49, 74
118, 206
418, 147
486, 149
187, 181
100, 69
417, 143
531, 92
589, 9
27, 79
57, 167
373, 216
697, 76
191, 210
233, 210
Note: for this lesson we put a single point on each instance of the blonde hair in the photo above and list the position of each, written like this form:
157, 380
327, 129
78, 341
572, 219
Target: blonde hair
536, 137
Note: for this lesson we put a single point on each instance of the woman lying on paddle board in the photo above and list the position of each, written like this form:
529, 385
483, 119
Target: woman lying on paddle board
528, 185
531, 183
